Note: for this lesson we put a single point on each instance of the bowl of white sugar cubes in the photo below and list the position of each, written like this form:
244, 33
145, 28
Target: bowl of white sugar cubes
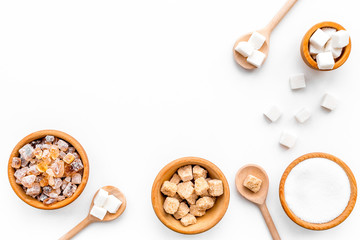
190, 195
326, 46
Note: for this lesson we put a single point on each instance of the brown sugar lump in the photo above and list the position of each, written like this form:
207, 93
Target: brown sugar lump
201, 186
175, 179
205, 203
199, 172
189, 219
169, 189
185, 173
177, 196
192, 199
194, 210
182, 211
171, 205
253, 183
185, 189
216, 188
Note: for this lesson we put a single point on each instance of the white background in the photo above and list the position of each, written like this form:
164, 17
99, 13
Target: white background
141, 83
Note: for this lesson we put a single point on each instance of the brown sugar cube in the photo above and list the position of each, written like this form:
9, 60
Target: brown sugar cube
175, 179
199, 172
182, 211
192, 198
188, 220
196, 211
171, 205
178, 197
201, 186
169, 189
205, 203
215, 188
253, 183
185, 189
185, 173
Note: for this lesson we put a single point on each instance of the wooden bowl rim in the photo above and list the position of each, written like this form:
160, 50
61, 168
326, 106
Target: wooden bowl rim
304, 49
337, 220
177, 164
37, 135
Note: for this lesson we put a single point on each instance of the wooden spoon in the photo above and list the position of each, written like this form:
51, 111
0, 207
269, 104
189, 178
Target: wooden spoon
258, 198
90, 218
265, 32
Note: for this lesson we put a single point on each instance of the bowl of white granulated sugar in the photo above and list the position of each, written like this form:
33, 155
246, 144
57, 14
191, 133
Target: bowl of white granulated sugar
318, 191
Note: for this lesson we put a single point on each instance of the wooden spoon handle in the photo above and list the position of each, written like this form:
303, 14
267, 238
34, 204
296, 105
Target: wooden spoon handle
269, 222
83, 224
280, 15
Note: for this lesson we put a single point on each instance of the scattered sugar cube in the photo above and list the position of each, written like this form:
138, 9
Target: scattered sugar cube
171, 205
252, 183
297, 81
196, 211
215, 187
336, 52
256, 58
273, 114
303, 115
112, 204
315, 50
329, 31
205, 203
169, 188
287, 139
319, 38
100, 198
182, 211
98, 212
257, 40
199, 172
185, 189
325, 60
185, 173
192, 199
188, 220
175, 179
340, 39
244, 48
329, 102
201, 186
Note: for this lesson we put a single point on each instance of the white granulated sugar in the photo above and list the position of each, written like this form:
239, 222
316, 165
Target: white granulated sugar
317, 190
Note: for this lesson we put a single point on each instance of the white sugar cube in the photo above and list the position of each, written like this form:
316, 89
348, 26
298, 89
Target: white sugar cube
325, 60
287, 139
340, 39
336, 52
257, 40
319, 38
256, 58
303, 115
98, 212
244, 48
100, 198
112, 204
329, 31
315, 50
329, 102
297, 81
273, 114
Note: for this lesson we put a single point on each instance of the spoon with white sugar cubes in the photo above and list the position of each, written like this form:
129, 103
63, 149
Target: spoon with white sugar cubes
108, 204
251, 50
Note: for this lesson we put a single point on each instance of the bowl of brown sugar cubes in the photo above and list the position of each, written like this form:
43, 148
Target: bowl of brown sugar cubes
48, 169
190, 195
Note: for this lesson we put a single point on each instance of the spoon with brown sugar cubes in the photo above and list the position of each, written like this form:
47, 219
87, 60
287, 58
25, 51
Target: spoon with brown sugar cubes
250, 51
108, 204
252, 183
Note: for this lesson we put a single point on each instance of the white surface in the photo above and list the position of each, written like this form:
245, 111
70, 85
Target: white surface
317, 190
106, 72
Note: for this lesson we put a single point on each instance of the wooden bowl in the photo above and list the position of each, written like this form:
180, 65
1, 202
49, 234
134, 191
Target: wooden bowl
212, 216
342, 216
32, 201
304, 48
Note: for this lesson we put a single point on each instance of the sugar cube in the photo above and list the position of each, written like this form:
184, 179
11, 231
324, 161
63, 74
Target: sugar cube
287, 139
325, 60
189, 219
182, 211
256, 58
199, 172
257, 40
216, 188
303, 115
100, 198
112, 204
252, 183
98, 212
201, 186
244, 48
329, 102
273, 114
185, 173
171, 205
340, 39
196, 211
297, 81
336, 52
329, 30
175, 179
185, 189
192, 198
315, 50
319, 38
205, 203
169, 188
